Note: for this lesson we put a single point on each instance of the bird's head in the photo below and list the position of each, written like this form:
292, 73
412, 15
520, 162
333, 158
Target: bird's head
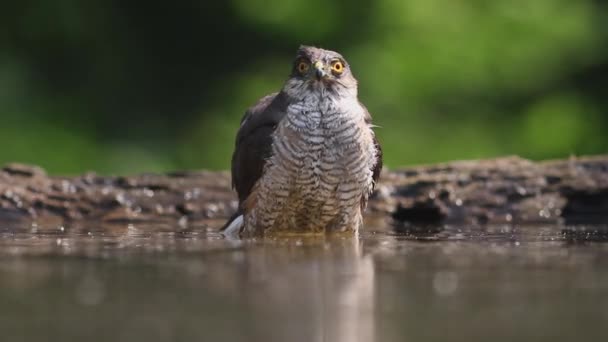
323, 71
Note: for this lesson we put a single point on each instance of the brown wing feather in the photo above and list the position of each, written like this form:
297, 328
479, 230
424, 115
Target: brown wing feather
254, 142
378, 166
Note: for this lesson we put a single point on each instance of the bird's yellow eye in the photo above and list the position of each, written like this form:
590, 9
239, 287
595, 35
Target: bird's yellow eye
303, 67
337, 67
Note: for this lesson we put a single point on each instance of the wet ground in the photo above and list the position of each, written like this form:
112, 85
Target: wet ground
161, 283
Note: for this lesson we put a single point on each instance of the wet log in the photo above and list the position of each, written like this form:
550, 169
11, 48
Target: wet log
503, 190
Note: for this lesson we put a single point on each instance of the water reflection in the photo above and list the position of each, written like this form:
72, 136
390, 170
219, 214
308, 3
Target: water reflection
161, 283
311, 289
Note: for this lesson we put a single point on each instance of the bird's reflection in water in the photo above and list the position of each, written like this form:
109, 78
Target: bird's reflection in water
301, 288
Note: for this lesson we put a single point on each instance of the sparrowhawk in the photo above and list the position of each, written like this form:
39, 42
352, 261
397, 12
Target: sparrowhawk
306, 158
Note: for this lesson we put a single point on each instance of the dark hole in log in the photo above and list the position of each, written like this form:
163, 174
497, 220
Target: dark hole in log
419, 213
585, 207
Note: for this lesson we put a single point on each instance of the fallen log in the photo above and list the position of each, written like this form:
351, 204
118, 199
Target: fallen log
503, 190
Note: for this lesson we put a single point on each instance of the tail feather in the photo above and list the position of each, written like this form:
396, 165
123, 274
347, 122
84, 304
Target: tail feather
234, 226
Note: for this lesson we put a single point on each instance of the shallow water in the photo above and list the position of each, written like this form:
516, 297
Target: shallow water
159, 283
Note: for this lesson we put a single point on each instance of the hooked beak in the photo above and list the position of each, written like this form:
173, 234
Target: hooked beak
319, 70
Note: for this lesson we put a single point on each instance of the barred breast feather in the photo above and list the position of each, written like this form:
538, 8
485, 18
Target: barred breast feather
304, 166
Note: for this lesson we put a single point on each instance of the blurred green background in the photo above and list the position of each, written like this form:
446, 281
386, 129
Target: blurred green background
127, 87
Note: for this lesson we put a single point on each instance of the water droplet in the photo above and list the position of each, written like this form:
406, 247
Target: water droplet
183, 221
132, 230
544, 213
192, 194
120, 198
212, 208
67, 187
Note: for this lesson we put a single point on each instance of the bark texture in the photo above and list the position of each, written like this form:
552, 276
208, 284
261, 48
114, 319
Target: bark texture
503, 190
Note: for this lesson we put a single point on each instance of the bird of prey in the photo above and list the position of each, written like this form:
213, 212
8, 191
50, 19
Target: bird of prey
306, 158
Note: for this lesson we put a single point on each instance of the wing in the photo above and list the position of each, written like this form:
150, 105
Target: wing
254, 142
377, 168
378, 165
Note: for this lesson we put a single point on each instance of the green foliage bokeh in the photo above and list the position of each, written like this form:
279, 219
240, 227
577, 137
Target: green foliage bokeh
118, 87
